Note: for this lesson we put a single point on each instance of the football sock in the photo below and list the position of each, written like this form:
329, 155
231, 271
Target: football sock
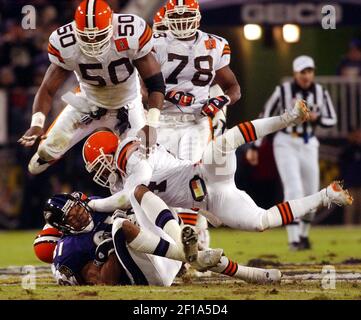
233, 269
286, 212
159, 214
148, 242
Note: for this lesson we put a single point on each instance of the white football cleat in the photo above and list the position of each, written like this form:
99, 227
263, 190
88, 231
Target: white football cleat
37, 165
335, 193
207, 259
299, 114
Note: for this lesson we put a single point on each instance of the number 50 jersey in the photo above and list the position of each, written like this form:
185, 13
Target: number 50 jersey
110, 81
190, 66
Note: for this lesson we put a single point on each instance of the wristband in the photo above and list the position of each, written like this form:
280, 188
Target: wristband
38, 120
153, 117
229, 100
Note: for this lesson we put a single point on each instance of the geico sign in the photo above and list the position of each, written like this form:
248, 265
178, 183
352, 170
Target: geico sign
302, 13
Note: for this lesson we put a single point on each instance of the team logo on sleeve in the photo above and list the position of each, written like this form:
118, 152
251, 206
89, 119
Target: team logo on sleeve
122, 44
210, 44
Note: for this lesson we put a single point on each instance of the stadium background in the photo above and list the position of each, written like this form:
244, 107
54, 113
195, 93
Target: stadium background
259, 65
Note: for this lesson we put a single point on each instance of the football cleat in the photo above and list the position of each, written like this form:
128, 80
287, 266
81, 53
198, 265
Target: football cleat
304, 243
294, 246
335, 193
299, 114
37, 165
190, 243
207, 259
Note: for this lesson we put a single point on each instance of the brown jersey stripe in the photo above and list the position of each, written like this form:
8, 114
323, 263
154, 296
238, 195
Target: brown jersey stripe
244, 132
226, 50
55, 52
145, 37
124, 155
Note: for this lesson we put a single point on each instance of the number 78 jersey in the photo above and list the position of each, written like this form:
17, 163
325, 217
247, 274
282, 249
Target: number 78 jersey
190, 66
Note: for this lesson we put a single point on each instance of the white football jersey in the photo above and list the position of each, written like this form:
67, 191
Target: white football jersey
164, 174
190, 66
110, 81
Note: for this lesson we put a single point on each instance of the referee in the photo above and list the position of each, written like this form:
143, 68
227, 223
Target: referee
296, 148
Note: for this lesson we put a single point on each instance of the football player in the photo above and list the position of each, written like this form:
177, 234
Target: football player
85, 254
209, 185
158, 20
107, 52
191, 61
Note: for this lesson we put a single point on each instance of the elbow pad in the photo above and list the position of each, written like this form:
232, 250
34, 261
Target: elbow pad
155, 83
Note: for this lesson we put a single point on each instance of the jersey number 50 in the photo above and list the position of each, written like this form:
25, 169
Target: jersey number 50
84, 67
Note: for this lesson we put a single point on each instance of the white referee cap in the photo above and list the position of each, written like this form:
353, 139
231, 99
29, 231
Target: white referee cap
302, 63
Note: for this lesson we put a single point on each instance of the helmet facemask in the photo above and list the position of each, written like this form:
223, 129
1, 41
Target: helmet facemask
92, 42
182, 21
104, 168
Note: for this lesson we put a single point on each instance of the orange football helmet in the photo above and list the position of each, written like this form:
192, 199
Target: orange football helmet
183, 18
158, 20
93, 27
98, 154
45, 244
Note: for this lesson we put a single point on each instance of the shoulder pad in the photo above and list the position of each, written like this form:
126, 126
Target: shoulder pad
133, 28
125, 149
62, 44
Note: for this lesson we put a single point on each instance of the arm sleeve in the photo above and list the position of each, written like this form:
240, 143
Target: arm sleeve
225, 58
144, 40
328, 115
56, 54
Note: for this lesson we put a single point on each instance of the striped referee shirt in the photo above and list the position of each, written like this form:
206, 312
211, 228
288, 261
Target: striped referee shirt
318, 100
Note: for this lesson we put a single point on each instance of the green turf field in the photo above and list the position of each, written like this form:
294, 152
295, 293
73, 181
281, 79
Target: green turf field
336, 246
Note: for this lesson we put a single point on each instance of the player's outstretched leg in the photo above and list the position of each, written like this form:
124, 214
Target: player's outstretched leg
285, 213
37, 165
142, 240
251, 131
158, 212
248, 274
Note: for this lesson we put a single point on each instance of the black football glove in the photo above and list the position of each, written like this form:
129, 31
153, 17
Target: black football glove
103, 251
180, 98
213, 105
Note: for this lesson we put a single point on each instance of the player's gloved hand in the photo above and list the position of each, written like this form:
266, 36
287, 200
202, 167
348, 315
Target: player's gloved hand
103, 251
148, 138
180, 98
213, 105
31, 136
